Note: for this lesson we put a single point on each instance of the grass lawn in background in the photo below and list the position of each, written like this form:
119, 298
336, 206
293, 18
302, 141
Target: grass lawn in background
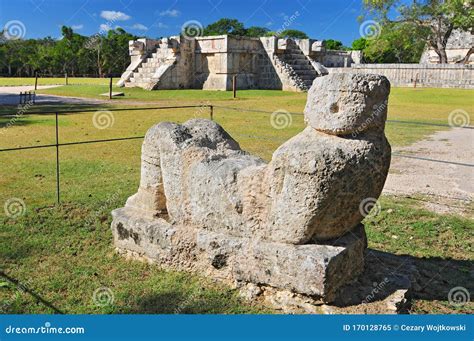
405, 104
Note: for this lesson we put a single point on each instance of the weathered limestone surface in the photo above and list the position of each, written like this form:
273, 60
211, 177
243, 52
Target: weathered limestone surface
318, 270
205, 205
353, 103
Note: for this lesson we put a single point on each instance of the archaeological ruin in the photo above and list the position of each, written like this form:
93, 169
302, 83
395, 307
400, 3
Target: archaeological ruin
292, 225
211, 62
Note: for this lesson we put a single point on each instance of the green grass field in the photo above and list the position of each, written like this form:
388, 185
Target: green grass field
65, 253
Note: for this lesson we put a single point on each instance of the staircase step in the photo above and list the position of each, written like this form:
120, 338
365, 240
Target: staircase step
302, 67
297, 62
295, 56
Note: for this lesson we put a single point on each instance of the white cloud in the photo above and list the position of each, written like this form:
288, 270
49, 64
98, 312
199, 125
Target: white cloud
269, 23
161, 25
170, 13
140, 27
114, 16
77, 27
105, 27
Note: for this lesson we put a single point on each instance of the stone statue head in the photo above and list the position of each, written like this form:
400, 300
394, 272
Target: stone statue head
347, 103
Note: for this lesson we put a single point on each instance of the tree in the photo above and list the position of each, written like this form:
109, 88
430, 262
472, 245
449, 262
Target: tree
256, 31
438, 17
297, 34
115, 51
397, 43
332, 44
360, 44
73, 54
225, 26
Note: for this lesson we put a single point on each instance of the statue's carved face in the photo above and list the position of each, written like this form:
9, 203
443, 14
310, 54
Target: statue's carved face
355, 105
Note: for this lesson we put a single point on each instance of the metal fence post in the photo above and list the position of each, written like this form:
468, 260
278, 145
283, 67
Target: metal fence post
110, 88
211, 112
57, 162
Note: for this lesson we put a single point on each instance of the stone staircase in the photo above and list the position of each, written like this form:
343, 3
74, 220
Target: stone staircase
297, 66
147, 74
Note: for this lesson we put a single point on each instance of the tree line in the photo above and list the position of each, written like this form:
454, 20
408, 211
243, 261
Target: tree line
399, 39
74, 54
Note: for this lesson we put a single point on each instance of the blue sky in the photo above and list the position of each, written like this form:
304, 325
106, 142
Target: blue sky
320, 19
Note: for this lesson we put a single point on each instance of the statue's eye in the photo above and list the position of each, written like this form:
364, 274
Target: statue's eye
334, 108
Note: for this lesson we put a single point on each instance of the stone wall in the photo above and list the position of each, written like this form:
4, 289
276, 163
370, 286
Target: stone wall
425, 75
211, 62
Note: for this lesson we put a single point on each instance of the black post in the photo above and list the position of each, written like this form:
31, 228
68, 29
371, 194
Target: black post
211, 112
110, 88
21, 97
57, 161
234, 86
36, 80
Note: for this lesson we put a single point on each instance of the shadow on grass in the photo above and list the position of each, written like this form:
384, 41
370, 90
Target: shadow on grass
24, 288
429, 278
176, 302
10, 111
16, 116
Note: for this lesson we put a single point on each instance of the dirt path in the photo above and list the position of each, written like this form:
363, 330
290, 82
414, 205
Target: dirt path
450, 184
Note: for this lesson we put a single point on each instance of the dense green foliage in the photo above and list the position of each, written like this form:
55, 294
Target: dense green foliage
225, 26
74, 54
237, 28
427, 22
397, 43
332, 44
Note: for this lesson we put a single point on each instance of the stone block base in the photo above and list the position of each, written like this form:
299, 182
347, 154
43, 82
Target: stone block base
313, 270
